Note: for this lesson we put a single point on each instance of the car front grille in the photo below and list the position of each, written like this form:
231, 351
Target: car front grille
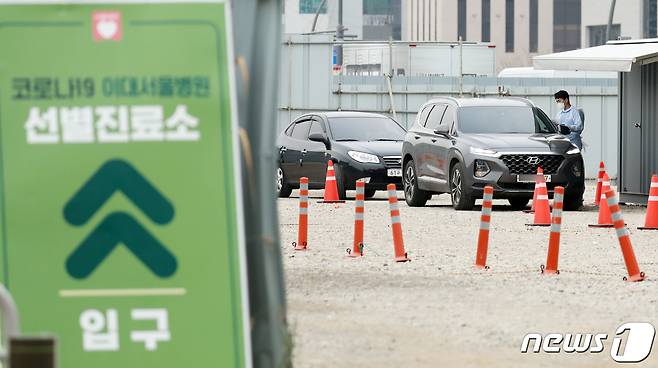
393, 162
528, 163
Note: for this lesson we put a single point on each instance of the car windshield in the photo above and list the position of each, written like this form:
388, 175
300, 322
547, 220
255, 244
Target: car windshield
504, 120
365, 129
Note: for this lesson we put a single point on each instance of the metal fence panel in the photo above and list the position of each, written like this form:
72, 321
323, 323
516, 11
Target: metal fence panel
315, 88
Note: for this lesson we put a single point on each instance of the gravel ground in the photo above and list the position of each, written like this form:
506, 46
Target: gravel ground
438, 310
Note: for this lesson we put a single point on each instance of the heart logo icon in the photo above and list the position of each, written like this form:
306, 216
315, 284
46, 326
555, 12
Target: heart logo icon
107, 26
107, 29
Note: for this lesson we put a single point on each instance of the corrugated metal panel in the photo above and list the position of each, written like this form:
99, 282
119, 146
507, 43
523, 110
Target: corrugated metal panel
649, 123
631, 136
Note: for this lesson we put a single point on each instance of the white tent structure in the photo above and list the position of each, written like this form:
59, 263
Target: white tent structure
637, 64
615, 56
530, 72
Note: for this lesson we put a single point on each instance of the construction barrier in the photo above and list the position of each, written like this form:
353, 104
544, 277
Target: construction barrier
599, 183
554, 239
540, 173
609, 216
485, 220
542, 208
605, 219
302, 235
357, 246
396, 224
330, 188
627, 252
651, 220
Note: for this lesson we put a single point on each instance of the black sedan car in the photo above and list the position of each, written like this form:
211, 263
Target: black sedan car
458, 146
361, 146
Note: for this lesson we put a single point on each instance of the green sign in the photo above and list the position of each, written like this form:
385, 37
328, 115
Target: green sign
120, 227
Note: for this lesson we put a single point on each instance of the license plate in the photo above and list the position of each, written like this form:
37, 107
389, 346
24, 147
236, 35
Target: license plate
395, 172
531, 178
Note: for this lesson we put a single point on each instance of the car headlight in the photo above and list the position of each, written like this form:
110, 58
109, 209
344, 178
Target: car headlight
481, 168
363, 157
573, 151
483, 152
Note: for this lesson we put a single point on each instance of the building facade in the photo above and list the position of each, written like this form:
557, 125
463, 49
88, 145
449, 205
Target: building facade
521, 29
633, 19
370, 20
298, 16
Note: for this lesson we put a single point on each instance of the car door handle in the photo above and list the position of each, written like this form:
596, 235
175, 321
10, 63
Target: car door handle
637, 125
416, 137
434, 140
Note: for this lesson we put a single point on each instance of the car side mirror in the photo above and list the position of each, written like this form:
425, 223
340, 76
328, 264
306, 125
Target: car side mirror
564, 129
443, 130
319, 137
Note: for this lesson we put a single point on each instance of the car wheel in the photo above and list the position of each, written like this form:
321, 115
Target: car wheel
573, 203
518, 203
414, 196
462, 198
340, 183
283, 190
369, 193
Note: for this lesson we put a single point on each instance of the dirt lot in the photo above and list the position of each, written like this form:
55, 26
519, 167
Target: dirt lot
438, 311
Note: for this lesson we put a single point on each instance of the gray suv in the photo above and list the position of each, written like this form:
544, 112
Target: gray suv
458, 146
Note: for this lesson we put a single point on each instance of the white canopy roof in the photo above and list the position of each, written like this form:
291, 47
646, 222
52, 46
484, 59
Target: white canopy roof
615, 56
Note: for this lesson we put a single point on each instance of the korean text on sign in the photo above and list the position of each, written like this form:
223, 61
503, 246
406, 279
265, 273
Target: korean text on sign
110, 124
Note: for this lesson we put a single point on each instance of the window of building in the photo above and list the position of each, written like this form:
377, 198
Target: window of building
377, 6
566, 25
650, 14
596, 34
486, 20
311, 7
461, 19
534, 26
509, 25
382, 19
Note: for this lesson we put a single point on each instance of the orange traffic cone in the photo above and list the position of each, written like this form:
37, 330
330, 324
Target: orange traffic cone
634, 273
330, 188
554, 239
302, 235
599, 182
605, 219
542, 208
357, 246
396, 225
485, 219
651, 221
540, 172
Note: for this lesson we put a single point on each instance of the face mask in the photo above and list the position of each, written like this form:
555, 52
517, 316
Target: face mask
560, 105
